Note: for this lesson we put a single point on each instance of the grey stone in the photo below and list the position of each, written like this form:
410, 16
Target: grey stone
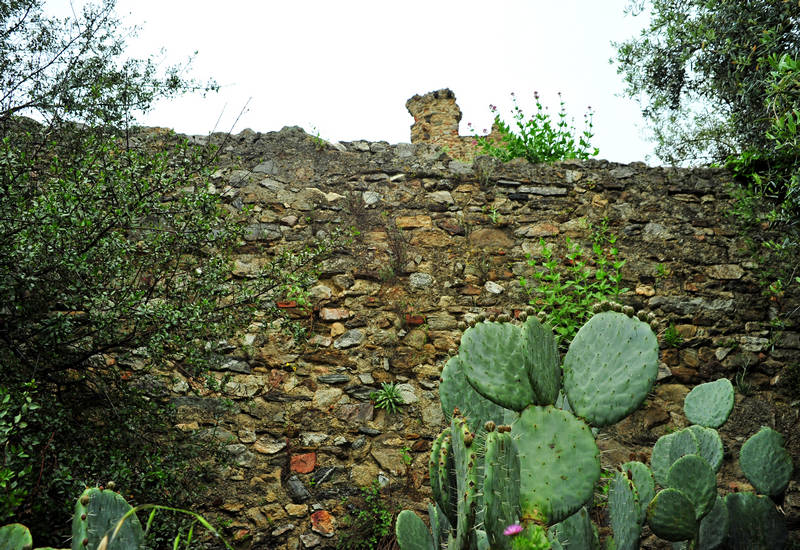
493, 288
420, 281
349, 339
543, 191
297, 491
269, 446
312, 439
407, 393
235, 365
441, 197
370, 197
262, 232
266, 167
326, 397
655, 231
432, 415
333, 378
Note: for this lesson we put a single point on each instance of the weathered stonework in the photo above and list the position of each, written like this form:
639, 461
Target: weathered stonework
303, 431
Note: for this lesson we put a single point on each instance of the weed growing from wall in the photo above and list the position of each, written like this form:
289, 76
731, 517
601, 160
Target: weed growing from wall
367, 522
539, 137
567, 287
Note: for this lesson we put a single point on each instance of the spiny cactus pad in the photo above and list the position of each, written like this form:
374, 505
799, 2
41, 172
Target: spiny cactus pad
610, 367
456, 392
671, 516
576, 532
494, 358
710, 404
644, 484
442, 474
98, 511
755, 524
544, 362
468, 483
559, 463
625, 512
709, 445
692, 476
765, 462
500, 488
15, 536
412, 533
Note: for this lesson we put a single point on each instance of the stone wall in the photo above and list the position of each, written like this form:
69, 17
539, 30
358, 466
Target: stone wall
441, 241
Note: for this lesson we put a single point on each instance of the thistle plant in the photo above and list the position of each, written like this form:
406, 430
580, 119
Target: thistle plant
387, 398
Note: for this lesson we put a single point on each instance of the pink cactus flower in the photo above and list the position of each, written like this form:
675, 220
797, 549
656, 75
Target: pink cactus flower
514, 529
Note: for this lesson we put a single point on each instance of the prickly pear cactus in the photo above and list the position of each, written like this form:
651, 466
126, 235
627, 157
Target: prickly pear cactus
511, 374
97, 513
15, 536
686, 462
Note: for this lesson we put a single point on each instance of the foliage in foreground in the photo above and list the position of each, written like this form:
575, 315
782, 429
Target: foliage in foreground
538, 138
115, 259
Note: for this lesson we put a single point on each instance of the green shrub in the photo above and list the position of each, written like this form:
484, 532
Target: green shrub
368, 520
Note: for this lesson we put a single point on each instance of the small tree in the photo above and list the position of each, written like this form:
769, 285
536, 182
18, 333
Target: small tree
106, 245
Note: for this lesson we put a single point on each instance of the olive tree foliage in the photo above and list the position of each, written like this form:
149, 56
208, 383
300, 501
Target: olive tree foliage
107, 245
701, 73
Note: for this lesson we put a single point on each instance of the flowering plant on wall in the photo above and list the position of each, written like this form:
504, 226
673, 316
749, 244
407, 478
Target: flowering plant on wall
538, 138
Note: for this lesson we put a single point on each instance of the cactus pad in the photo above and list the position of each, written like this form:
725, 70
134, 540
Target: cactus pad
671, 516
494, 358
576, 532
625, 510
500, 488
755, 524
709, 445
412, 533
714, 527
559, 464
644, 484
15, 536
610, 367
468, 483
765, 462
456, 392
544, 361
709, 404
693, 477
98, 511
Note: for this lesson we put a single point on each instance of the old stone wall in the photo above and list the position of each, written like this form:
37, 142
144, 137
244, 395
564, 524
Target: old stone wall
441, 241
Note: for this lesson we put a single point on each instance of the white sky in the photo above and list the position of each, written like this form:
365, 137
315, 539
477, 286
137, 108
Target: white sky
347, 67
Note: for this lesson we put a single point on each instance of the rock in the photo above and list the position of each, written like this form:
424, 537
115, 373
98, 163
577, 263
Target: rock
310, 540
493, 288
490, 238
320, 292
333, 378
349, 339
413, 222
326, 397
297, 491
234, 365
407, 393
362, 475
323, 522
303, 463
370, 197
543, 191
420, 281
312, 439
334, 314
725, 272
269, 446
432, 415
390, 459
538, 230
441, 197
297, 510
337, 329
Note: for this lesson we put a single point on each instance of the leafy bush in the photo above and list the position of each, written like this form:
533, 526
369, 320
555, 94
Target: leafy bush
539, 138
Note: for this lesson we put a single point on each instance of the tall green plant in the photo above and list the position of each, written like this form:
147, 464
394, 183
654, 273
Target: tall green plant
540, 137
567, 288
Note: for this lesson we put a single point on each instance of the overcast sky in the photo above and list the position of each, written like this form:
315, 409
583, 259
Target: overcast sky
347, 67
